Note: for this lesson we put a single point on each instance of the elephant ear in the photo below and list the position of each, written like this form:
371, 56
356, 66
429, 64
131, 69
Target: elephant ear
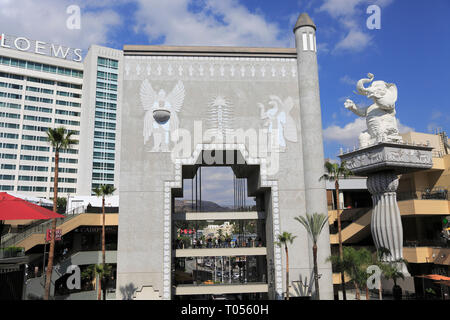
393, 92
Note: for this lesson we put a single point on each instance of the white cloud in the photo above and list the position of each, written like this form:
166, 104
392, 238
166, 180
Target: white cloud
46, 20
351, 15
346, 79
348, 135
354, 41
438, 120
217, 22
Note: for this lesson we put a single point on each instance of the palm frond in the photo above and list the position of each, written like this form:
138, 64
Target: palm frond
285, 238
60, 138
313, 224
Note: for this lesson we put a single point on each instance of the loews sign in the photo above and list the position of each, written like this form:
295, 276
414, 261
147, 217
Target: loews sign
40, 47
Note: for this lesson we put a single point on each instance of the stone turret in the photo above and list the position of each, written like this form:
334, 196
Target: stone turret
312, 142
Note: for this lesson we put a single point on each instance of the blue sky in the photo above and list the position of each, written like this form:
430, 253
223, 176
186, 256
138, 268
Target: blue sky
412, 48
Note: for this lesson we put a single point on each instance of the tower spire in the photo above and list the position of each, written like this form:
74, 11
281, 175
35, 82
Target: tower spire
304, 20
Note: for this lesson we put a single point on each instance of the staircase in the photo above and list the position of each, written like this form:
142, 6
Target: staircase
357, 230
36, 235
36, 229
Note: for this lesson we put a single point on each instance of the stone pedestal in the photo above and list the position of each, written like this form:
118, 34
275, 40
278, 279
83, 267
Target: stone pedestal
382, 163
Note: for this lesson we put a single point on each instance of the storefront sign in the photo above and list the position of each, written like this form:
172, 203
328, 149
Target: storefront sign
58, 235
40, 47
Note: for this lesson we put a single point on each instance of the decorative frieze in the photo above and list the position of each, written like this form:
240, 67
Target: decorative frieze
201, 68
400, 158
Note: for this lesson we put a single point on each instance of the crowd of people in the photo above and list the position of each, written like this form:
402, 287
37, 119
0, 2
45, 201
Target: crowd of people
218, 242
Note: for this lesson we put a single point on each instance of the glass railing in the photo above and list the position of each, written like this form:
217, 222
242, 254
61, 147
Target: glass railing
248, 242
213, 207
220, 270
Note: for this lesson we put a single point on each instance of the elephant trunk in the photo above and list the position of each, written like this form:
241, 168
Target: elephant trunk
360, 85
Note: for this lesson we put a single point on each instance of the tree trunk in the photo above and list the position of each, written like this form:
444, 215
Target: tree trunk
380, 292
316, 273
287, 272
358, 294
103, 244
99, 287
341, 255
367, 293
51, 251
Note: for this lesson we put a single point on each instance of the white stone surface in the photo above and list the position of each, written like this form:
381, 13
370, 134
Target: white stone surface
380, 116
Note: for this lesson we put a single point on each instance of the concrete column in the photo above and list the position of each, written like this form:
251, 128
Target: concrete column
312, 142
341, 199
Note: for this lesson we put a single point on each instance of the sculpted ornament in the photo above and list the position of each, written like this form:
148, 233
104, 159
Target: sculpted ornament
380, 116
278, 121
161, 119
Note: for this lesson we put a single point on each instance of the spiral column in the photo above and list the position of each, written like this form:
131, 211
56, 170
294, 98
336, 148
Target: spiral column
386, 224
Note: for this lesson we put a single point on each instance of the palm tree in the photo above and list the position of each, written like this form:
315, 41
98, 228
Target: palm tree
391, 271
60, 139
335, 171
354, 263
103, 191
378, 260
314, 225
283, 239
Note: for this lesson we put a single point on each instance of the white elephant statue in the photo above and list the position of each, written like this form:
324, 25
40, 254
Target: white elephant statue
380, 116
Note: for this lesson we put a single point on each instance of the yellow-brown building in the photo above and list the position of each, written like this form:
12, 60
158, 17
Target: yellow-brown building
424, 205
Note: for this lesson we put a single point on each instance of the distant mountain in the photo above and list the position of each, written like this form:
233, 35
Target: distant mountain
186, 205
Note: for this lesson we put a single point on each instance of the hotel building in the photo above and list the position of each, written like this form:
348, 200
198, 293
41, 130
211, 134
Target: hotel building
43, 86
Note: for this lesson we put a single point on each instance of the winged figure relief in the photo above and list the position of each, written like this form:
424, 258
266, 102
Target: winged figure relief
161, 117
278, 121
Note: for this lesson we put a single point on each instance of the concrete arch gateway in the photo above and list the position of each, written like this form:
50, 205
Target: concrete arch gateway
188, 107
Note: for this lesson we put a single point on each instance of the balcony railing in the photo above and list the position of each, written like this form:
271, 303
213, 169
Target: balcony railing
436, 243
204, 244
12, 252
188, 208
428, 194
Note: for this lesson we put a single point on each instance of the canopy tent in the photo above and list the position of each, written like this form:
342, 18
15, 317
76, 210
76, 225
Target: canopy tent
35, 200
12, 208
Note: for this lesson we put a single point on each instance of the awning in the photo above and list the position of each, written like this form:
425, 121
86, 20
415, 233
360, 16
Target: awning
435, 277
12, 208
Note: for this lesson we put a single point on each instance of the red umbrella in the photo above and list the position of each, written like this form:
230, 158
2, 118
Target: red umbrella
12, 208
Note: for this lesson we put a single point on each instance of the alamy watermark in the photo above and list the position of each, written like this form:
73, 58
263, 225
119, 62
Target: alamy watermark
374, 20
73, 22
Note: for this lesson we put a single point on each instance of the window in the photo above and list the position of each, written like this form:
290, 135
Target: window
35, 118
10, 105
9, 135
33, 168
7, 177
38, 109
67, 113
10, 86
10, 115
11, 76
8, 145
7, 166
10, 95
40, 67
9, 125
8, 156
69, 85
